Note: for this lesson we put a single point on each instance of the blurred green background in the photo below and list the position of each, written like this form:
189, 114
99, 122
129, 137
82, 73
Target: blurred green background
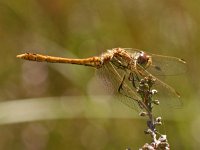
58, 106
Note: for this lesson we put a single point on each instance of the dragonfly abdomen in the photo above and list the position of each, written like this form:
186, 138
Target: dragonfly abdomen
91, 61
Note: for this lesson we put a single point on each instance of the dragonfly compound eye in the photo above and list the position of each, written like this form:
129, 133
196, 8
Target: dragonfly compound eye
143, 59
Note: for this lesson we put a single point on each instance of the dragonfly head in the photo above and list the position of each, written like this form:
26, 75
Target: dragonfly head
144, 59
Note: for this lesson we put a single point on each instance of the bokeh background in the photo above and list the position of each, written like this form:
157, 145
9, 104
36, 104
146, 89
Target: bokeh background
58, 106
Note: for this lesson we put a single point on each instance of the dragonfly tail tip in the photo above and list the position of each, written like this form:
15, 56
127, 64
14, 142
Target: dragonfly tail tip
20, 56
183, 61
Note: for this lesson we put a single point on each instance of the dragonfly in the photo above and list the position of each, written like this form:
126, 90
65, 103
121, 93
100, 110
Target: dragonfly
122, 68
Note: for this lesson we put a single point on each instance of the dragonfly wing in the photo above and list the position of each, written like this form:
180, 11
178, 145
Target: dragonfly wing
112, 78
166, 65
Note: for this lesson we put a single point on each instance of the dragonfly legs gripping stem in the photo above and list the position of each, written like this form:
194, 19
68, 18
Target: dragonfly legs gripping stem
143, 87
140, 103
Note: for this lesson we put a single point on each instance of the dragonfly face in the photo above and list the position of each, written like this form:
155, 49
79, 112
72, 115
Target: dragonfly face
143, 59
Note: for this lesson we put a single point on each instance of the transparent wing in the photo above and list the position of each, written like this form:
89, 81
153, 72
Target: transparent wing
112, 78
166, 65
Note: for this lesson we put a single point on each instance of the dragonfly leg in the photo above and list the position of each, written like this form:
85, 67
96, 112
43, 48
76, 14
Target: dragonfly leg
121, 84
120, 90
133, 78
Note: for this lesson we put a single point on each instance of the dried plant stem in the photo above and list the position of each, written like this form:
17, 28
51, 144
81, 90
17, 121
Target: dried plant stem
146, 93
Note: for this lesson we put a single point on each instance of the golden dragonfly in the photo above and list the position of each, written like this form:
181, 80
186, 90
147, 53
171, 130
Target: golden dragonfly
127, 66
